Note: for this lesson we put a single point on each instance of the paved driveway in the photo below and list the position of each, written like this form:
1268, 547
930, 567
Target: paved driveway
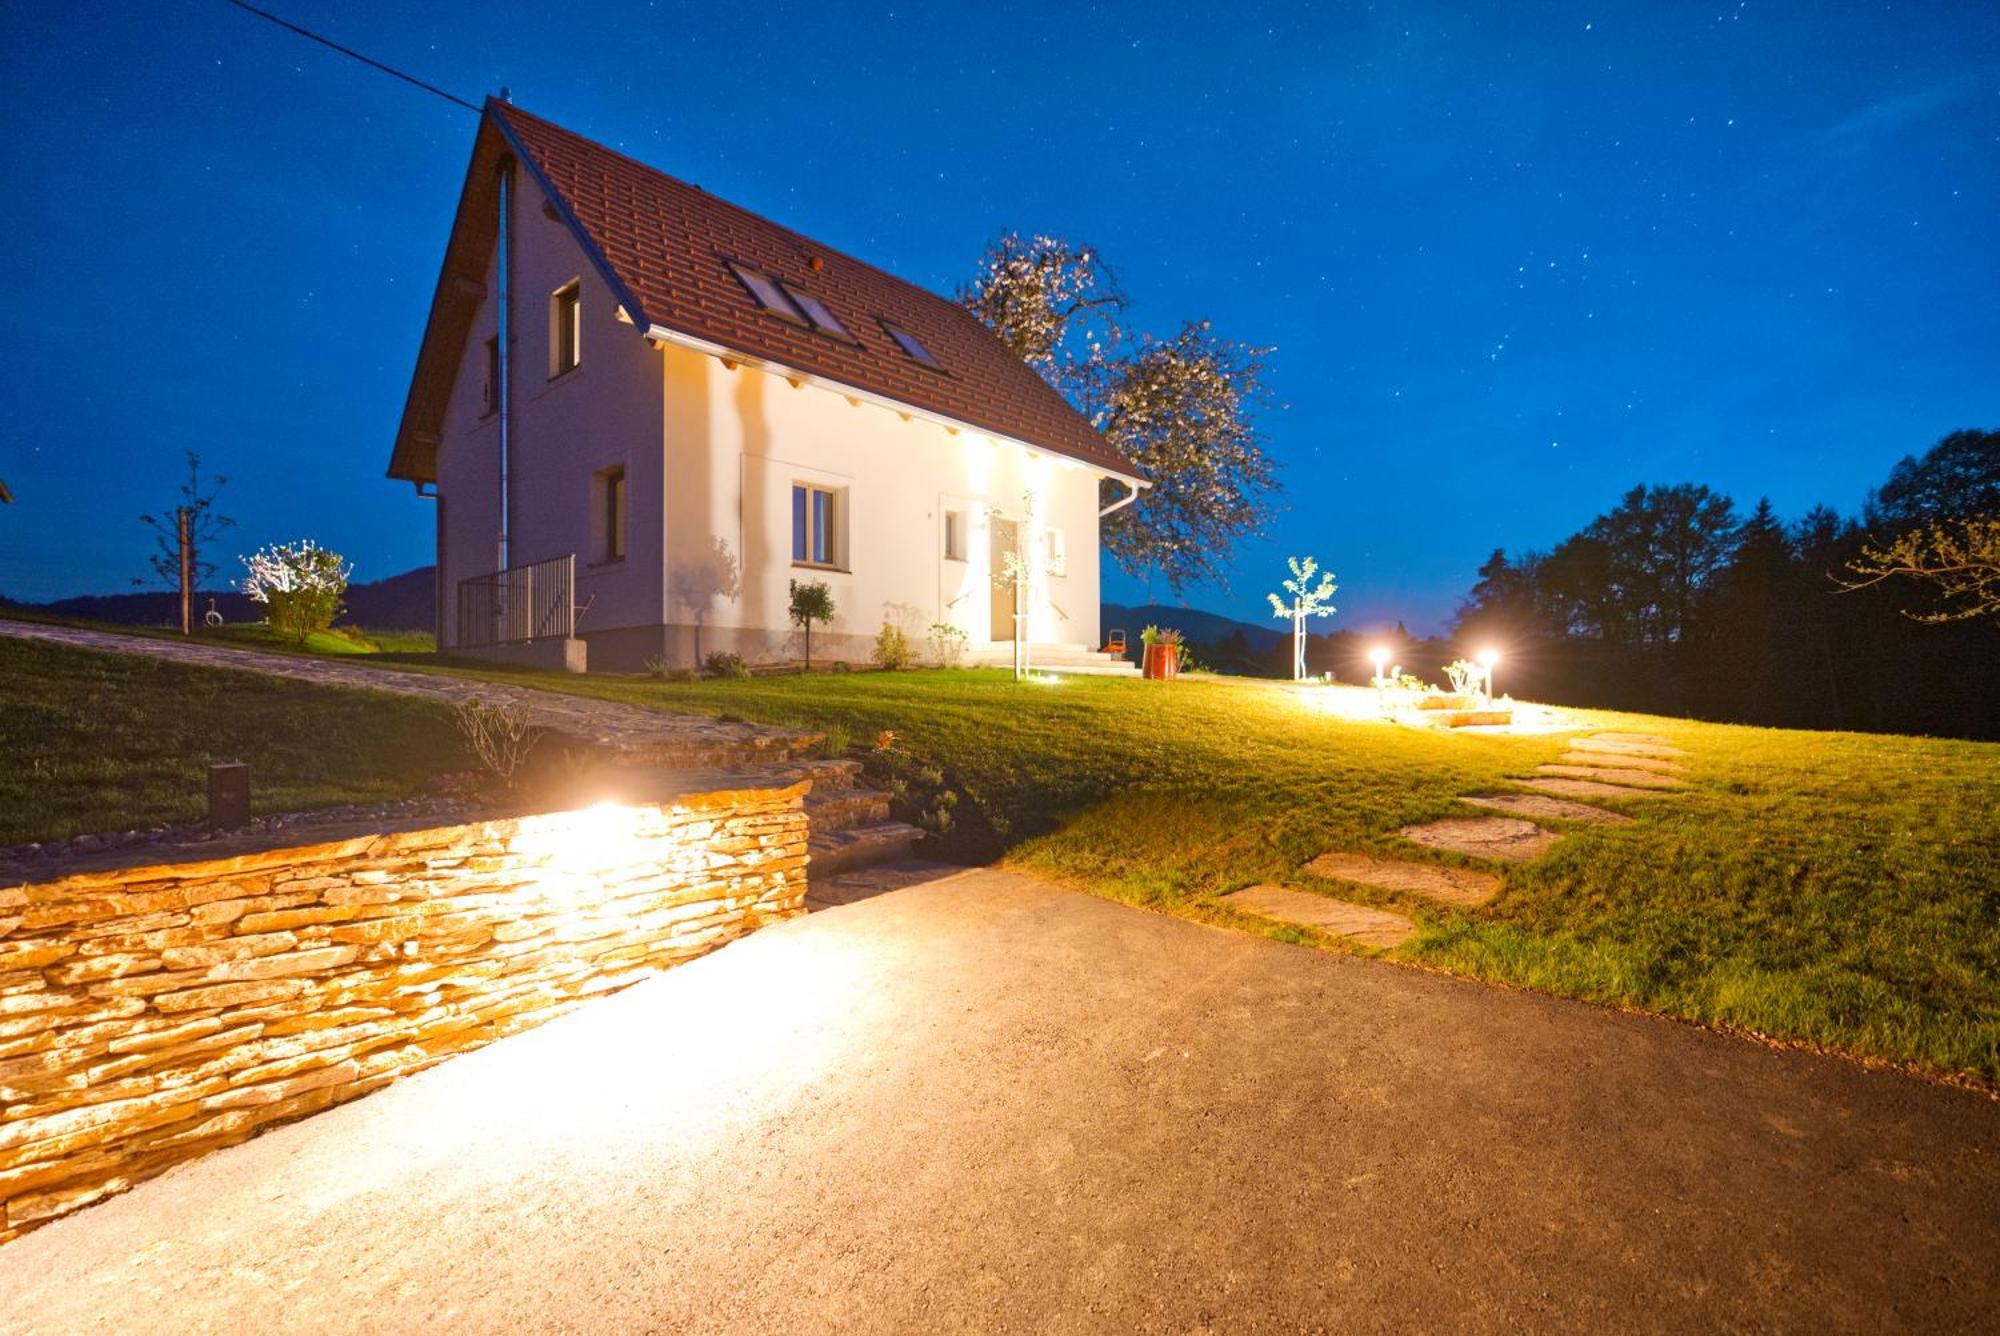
986, 1103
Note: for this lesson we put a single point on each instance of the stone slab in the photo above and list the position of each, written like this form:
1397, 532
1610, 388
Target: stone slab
1588, 788
1357, 923
1542, 807
1631, 779
1434, 881
1653, 740
1603, 742
1652, 763
1508, 838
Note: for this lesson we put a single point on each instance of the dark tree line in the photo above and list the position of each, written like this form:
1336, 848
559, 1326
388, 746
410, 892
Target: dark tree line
1674, 601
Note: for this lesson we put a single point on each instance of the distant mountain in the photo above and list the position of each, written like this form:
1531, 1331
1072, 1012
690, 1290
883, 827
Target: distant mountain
1196, 625
399, 603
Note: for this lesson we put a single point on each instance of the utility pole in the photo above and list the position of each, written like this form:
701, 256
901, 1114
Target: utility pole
183, 518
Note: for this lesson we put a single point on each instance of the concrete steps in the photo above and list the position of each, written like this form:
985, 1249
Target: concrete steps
1055, 658
851, 825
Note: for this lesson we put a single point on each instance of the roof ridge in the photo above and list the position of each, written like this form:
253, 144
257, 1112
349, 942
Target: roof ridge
508, 108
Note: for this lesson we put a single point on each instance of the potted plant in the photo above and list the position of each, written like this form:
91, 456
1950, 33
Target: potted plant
1163, 652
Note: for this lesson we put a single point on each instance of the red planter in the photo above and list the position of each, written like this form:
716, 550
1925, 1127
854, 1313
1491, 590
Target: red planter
1163, 661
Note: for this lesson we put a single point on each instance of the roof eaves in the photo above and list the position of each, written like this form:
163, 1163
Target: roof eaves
496, 112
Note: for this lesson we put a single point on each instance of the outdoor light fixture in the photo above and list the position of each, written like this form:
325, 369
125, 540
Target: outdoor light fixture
1380, 656
1487, 658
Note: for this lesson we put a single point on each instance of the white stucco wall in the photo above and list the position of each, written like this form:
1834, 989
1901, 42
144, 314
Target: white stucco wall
897, 477
711, 452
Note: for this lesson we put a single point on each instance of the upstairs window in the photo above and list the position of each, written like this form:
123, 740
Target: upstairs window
816, 525
912, 345
822, 319
768, 293
492, 375
566, 329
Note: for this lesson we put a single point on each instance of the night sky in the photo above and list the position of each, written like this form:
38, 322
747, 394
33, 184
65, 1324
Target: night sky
1513, 258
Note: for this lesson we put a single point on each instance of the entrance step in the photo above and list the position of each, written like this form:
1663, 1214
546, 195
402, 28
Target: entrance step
1622, 761
1360, 924
1605, 742
1507, 838
1434, 881
1631, 779
839, 851
844, 809
1540, 807
1588, 788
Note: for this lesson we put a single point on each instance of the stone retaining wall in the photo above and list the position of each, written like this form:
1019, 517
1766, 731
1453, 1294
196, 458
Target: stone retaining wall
149, 1015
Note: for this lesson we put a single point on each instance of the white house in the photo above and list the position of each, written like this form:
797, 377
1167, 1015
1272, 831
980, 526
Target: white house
644, 411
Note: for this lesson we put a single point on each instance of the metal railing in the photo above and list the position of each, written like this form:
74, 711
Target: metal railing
532, 602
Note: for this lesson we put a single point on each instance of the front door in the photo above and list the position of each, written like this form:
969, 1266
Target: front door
1004, 537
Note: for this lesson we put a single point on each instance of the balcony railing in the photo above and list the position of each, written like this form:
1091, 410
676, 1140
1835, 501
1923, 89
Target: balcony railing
521, 603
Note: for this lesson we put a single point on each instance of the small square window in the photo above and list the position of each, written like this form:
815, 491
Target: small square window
492, 376
768, 294
954, 535
816, 525
566, 329
912, 345
608, 528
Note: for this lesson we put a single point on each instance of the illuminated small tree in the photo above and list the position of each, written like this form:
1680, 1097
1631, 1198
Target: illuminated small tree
1307, 599
1018, 569
300, 585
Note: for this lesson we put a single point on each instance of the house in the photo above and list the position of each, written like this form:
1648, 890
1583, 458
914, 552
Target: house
643, 411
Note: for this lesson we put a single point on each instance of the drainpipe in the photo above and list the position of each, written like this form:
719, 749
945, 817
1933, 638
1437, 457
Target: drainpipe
503, 265
1126, 499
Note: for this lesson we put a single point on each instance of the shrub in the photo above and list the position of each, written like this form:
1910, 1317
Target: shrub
656, 668
498, 736
892, 647
947, 643
300, 585
724, 664
811, 602
835, 741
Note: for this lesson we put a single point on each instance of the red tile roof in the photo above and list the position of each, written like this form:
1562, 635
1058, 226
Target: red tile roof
663, 245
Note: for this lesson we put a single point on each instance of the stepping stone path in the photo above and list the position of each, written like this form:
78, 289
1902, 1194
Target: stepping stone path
1600, 759
1605, 742
1631, 779
1357, 923
1434, 881
1507, 838
1536, 805
1605, 765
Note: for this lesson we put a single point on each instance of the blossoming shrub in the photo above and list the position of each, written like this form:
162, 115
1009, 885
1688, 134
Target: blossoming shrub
300, 585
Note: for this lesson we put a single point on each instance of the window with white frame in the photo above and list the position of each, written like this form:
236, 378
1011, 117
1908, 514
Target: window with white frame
566, 328
954, 535
819, 522
1055, 551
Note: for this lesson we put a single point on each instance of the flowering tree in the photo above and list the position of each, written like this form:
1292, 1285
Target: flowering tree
1307, 600
1182, 409
1960, 559
1018, 572
300, 585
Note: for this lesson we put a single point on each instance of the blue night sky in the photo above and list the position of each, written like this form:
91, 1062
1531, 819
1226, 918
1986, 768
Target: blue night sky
1513, 258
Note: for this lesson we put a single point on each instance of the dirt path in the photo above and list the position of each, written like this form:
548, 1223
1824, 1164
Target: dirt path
985, 1103
598, 722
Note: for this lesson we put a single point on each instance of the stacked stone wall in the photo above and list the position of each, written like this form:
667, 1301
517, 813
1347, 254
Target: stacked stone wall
151, 1014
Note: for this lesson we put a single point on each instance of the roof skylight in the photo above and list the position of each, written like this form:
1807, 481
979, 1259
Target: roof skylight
769, 295
823, 320
912, 345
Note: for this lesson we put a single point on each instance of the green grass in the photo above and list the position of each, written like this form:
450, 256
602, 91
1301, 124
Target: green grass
1837, 889
108, 742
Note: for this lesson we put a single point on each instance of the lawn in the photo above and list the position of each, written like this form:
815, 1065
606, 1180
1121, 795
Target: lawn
1837, 889
111, 742
1841, 890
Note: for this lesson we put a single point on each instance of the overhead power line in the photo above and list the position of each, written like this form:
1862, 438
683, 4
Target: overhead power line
356, 55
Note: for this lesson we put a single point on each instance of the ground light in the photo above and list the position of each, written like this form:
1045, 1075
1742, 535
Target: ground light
1380, 656
1487, 658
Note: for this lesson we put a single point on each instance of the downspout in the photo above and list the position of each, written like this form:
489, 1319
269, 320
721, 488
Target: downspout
504, 265
1126, 499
